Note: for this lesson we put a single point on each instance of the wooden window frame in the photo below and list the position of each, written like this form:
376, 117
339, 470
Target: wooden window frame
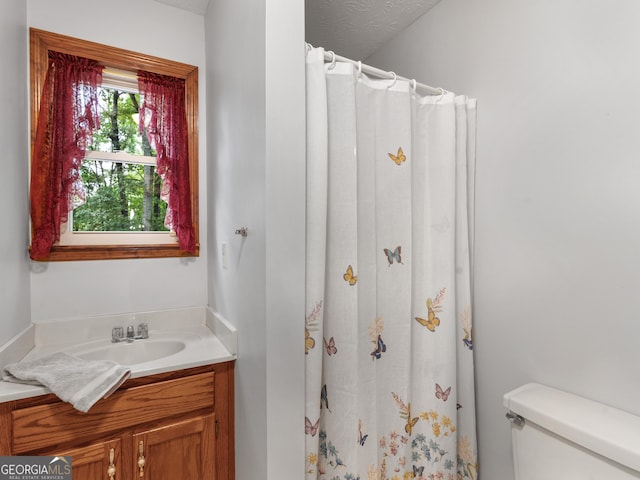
41, 42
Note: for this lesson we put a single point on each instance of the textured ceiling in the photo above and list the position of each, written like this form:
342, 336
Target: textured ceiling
351, 28
195, 6
357, 28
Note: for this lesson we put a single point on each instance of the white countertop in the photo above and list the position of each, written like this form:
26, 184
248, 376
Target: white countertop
208, 339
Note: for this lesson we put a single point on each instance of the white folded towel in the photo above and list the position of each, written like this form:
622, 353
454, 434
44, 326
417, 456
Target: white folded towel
76, 381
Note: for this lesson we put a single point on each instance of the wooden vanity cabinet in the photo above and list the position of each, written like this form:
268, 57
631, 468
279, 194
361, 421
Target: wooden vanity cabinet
177, 425
183, 450
95, 461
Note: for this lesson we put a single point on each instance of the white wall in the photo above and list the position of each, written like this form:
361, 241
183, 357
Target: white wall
286, 226
235, 33
558, 193
255, 80
14, 265
118, 286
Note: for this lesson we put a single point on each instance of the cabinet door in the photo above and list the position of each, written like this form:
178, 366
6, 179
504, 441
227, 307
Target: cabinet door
183, 450
98, 461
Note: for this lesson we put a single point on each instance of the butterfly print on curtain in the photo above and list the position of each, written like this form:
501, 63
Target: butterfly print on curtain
311, 428
311, 325
465, 320
394, 255
375, 332
433, 307
361, 437
398, 158
324, 398
330, 346
442, 394
349, 277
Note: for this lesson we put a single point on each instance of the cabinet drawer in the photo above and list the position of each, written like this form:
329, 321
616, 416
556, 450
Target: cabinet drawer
43, 426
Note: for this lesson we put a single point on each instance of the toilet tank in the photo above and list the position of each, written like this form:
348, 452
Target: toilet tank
559, 436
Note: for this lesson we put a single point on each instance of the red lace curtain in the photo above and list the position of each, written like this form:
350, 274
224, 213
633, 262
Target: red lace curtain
163, 117
68, 115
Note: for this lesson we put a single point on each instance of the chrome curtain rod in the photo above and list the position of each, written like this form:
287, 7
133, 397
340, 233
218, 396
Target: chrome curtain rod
331, 57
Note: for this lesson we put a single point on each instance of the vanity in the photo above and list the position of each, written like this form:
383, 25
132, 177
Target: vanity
172, 419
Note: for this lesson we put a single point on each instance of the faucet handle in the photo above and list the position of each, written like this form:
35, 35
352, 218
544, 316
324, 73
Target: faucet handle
143, 330
117, 334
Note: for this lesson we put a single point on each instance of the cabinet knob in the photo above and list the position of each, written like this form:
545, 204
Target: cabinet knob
111, 471
141, 460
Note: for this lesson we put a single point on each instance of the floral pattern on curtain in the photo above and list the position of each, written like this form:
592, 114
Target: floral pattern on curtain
388, 331
163, 117
67, 118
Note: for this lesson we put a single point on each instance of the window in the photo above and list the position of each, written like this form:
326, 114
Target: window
139, 231
122, 187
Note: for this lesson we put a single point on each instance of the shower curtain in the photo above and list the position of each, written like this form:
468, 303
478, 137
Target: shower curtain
388, 333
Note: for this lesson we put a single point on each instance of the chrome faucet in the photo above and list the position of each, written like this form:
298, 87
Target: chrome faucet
117, 333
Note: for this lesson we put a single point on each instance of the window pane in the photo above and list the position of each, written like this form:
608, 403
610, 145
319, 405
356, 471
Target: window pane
121, 197
119, 131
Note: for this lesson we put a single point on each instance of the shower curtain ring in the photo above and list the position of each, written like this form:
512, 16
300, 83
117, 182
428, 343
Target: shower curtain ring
359, 68
333, 61
442, 94
395, 79
414, 85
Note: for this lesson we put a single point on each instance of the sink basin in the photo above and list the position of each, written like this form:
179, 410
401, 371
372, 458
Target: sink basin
140, 351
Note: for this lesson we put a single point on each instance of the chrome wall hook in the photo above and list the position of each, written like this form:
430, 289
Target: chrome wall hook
242, 231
